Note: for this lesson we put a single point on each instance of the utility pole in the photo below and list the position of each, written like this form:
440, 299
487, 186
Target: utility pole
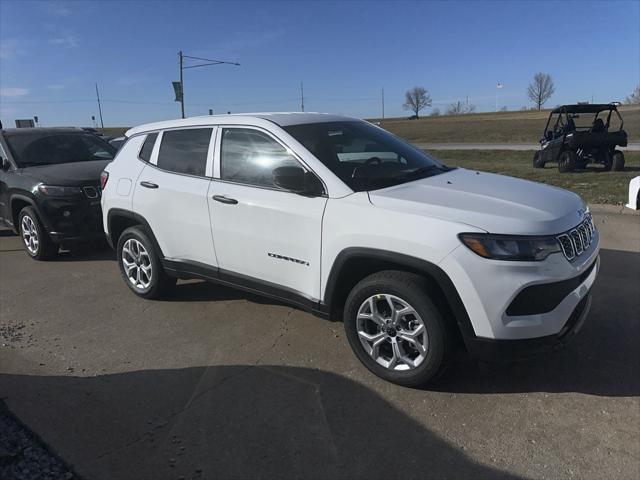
207, 62
383, 103
99, 107
301, 97
181, 86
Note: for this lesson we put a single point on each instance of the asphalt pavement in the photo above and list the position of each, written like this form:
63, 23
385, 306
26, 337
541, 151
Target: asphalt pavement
214, 383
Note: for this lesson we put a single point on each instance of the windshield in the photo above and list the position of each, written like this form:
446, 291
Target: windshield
51, 148
363, 156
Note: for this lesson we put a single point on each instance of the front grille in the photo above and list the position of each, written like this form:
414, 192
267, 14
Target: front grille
577, 240
91, 192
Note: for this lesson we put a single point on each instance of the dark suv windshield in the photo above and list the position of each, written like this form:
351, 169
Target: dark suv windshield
363, 156
50, 148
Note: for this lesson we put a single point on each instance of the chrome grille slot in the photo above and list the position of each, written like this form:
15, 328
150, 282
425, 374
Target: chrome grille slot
577, 241
583, 236
567, 246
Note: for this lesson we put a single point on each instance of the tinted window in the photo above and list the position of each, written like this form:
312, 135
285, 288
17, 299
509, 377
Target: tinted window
49, 148
249, 156
363, 156
147, 147
185, 151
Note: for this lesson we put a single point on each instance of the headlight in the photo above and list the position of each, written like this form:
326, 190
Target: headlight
54, 191
509, 247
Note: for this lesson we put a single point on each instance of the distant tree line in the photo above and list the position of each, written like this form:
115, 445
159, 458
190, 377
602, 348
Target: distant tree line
539, 92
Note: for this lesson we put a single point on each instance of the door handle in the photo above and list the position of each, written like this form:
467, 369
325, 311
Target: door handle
149, 185
223, 199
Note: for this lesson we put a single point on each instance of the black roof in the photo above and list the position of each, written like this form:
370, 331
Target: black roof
585, 108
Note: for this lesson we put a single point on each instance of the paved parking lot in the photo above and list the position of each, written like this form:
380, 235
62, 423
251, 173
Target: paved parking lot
215, 383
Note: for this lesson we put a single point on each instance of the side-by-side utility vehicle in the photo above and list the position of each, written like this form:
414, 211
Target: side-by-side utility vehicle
576, 135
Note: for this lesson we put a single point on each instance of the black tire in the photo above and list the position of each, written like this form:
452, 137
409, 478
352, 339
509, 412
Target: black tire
618, 161
567, 161
159, 283
606, 159
45, 249
537, 160
413, 290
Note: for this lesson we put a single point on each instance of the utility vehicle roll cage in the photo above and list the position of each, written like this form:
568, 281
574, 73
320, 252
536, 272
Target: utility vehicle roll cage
563, 119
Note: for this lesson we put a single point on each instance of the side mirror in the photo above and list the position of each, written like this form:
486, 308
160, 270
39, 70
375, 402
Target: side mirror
4, 164
296, 180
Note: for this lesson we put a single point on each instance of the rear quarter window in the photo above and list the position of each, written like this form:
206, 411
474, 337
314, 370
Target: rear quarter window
147, 147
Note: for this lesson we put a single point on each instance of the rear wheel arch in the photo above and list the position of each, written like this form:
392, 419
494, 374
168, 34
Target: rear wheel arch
354, 264
118, 220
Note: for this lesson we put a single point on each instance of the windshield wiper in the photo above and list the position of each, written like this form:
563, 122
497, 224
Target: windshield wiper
424, 171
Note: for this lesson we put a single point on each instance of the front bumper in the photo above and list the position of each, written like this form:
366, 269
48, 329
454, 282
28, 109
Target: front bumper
517, 308
70, 220
506, 350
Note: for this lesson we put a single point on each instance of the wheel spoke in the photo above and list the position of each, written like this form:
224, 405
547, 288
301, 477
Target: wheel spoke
413, 342
375, 338
128, 265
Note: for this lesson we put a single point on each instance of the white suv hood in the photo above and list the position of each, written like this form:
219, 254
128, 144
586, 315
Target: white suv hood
494, 203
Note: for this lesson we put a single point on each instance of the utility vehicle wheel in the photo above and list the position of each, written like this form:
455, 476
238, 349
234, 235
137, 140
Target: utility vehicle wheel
607, 160
140, 265
537, 160
567, 161
395, 329
618, 161
36, 240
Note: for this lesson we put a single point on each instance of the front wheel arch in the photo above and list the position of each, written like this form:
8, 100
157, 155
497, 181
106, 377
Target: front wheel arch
355, 263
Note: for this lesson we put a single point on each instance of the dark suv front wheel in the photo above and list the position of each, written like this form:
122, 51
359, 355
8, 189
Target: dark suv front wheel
140, 265
37, 242
395, 329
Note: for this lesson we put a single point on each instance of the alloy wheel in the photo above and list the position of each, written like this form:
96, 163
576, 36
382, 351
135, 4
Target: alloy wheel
137, 264
392, 332
30, 234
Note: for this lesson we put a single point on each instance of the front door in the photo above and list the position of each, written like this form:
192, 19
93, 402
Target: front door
262, 232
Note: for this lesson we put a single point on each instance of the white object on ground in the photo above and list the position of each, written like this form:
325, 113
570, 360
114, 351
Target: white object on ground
634, 190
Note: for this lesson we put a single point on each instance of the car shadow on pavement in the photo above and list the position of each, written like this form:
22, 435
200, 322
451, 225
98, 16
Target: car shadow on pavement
231, 422
603, 359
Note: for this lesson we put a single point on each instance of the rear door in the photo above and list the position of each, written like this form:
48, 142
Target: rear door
262, 232
171, 194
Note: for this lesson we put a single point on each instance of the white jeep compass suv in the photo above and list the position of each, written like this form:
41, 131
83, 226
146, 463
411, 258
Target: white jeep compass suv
342, 218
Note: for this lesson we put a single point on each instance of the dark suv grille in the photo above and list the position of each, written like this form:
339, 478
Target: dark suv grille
577, 240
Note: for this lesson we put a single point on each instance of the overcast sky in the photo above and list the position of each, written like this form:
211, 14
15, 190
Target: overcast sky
51, 53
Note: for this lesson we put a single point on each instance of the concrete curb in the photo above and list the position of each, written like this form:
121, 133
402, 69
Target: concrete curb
600, 208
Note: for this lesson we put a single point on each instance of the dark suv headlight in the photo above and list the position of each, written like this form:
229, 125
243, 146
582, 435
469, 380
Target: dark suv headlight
55, 191
510, 247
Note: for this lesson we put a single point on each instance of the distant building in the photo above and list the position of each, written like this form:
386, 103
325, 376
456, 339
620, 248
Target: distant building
25, 123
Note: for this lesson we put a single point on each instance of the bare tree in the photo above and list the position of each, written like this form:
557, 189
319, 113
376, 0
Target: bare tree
416, 99
540, 89
460, 108
435, 112
634, 98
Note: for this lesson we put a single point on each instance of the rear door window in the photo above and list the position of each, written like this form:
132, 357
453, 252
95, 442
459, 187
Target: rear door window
185, 151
